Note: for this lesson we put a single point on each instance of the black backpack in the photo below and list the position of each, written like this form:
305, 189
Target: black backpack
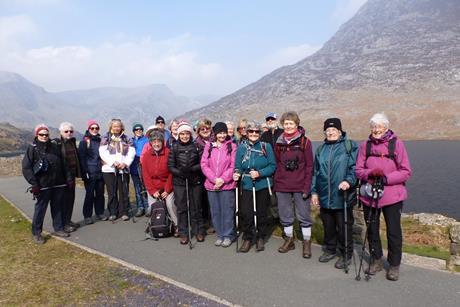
159, 226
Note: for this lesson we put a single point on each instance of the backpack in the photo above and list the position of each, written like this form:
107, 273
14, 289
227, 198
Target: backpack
347, 144
159, 224
391, 150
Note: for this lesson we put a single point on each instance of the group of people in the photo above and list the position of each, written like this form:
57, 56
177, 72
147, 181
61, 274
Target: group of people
203, 179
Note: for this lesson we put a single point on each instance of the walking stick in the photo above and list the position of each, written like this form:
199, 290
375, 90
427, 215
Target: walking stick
126, 192
188, 215
345, 222
254, 203
237, 234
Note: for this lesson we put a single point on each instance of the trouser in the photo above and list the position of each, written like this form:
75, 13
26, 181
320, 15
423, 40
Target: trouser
94, 196
222, 204
118, 193
334, 230
55, 197
69, 200
170, 206
196, 214
286, 209
206, 209
141, 200
247, 214
392, 215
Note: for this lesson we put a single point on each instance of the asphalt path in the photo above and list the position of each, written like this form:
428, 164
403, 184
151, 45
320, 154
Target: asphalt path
267, 278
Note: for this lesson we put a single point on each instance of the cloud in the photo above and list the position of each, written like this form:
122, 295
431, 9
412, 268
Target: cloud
13, 28
345, 9
287, 56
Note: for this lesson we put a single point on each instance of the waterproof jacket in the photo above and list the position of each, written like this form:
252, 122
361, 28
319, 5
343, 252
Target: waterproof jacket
333, 164
116, 149
138, 143
184, 162
155, 172
56, 174
396, 171
297, 152
219, 163
255, 157
271, 136
88, 154
70, 153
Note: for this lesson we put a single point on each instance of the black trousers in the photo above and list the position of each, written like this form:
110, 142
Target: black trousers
392, 216
196, 209
118, 193
334, 230
55, 198
94, 196
247, 214
67, 208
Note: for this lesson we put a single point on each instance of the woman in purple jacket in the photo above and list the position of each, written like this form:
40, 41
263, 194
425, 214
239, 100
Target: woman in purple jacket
217, 165
383, 157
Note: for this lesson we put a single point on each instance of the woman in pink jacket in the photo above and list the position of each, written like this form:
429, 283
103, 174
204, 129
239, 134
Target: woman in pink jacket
383, 157
217, 164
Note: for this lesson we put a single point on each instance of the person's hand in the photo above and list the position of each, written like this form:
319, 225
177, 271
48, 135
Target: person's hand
185, 169
35, 190
304, 196
344, 186
164, 195
254, 174
376, 172
85, 177
116, 164
156, 194
122, 165
236, 176
314, 200
70, 184
219, 183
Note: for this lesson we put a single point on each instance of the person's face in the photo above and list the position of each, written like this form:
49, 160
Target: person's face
231, 130
289, 126
332, 134
242, 130
221, 136
204, 131
67, 133
116, 128
157, 145
139, 132
378, 130
43, 135
160, 124
94, 130
271, 122
174, 126
184, 136
253, 135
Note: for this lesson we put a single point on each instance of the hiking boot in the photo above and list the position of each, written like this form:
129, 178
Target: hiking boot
306, 249
218, 242
200, 237
287, 245
260, 245
140, 212
226, 243
326, 257
211, 230
340, 263
69, 228
376, 266
38, 239
74, 225
245, 247
112, 218
61, 233
393, 273
124, 217
183, 240
88, 221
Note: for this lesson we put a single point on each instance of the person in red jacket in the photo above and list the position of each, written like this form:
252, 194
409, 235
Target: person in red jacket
156, 175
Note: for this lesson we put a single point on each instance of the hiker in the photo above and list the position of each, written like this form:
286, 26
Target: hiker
217, 165
117, 153
160, 124
231, 130
156, 175
68, 147
254, 165
184, 164
91, 169
273, 132
241, 131
138, 140
294, 170
378, 161
44, 169
334, 173
174, 135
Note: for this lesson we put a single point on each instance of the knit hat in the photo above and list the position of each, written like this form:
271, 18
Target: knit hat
333, 122
137, 126
150, 129
159, 119
156, 134
220, 127
184, 126
91, 122
270, 115
41, 127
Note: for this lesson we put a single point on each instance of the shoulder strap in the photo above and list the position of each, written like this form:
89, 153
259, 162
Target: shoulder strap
264, 146
229, 148
210, 149
368, 148
348, 146
391, 148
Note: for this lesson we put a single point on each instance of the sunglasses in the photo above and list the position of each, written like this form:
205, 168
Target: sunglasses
254, 131
43, 134
94, 128
138, 129
160, 122
241, 128
204, 129
68, 131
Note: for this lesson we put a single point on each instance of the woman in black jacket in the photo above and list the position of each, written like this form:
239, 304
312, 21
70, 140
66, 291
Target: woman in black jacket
43, 167
184, 164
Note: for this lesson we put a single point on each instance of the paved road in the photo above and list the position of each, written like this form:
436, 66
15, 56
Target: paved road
253, 279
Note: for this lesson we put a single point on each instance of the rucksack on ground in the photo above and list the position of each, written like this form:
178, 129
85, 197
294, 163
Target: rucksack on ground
159, 225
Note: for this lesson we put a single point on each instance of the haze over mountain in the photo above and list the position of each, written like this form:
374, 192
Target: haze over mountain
25, 104
397, 56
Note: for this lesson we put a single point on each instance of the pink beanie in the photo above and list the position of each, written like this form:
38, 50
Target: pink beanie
92, 122
184, 126
41, 127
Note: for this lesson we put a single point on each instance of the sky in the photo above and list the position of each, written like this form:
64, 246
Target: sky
194, 47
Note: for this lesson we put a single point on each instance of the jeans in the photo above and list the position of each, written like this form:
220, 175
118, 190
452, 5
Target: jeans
94, 196
55, 198
141, 200
222, 205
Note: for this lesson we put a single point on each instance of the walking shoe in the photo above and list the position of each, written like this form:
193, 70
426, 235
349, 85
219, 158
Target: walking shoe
211, 230
326, 257
88, 221
245, 247
393, 273
69, 228
376, 266
176, 232
260, 245
227, 242
306, 249
74, 225
102, 217
218, 242
140, 212
124, 217
112, 218
340, 263
200, 237
38, 239
61, 233
287, 245
183, 240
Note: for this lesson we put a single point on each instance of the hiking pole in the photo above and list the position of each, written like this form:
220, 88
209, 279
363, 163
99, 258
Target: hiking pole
115, 191
188, 215
236, 218
126, 193
345, 222
254, 203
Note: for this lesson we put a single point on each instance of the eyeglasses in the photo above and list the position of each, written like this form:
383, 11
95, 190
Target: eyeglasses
160, 122
204, 129
270, 118
43, 134
68, 131
253, 131
138, 129
241, 128
94, 128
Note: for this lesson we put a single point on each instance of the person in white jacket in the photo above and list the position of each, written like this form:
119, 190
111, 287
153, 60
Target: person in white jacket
117, 153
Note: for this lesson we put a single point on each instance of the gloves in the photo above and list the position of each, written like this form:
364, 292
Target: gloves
85, 177
70, 184
186, 169
305, 196
35, 190
376, 172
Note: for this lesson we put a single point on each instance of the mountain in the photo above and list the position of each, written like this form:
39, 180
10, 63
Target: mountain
27, 104
397, 56
13, 139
